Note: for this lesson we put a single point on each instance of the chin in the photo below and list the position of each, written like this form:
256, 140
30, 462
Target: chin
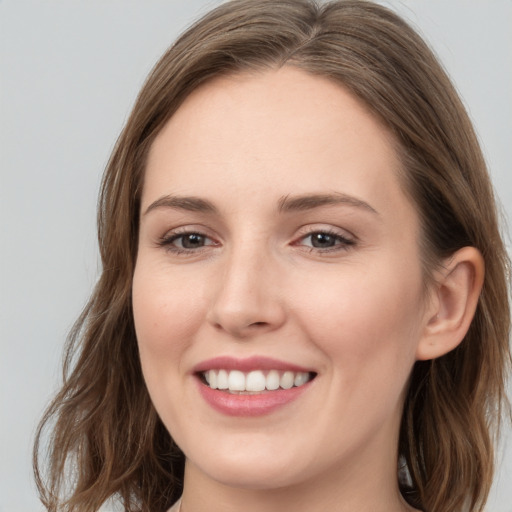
251, 471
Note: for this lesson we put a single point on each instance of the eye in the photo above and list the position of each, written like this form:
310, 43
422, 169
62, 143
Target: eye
186, 242
190, 241
326, 241
322, 240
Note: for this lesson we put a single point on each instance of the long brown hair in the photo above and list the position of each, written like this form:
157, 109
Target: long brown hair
105, 436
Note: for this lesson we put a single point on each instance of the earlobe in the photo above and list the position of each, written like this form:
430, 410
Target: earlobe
454, 301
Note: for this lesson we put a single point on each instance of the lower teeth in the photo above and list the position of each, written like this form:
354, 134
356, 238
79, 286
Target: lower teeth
245, 392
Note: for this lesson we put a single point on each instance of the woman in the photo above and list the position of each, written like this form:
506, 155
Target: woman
304, 293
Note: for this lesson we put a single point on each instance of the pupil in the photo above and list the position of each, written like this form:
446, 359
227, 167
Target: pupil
322, 240
192, 241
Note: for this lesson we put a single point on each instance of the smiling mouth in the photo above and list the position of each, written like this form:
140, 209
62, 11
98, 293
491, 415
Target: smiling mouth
254, 382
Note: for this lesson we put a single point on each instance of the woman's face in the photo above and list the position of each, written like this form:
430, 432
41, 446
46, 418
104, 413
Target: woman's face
277, 249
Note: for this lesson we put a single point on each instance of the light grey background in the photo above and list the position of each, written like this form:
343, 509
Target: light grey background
70, 70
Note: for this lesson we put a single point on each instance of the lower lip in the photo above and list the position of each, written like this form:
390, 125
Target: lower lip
250, 405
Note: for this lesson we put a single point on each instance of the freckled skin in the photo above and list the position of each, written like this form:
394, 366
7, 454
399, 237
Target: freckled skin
256, 283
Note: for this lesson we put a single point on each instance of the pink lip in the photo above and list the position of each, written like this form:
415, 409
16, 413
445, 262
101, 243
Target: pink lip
247, 364
248, 405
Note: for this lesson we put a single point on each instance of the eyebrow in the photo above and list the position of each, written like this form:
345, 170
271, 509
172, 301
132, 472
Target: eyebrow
311, 201
285, 204
188, 203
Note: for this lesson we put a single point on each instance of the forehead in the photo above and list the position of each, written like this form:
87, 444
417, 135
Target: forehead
274, 132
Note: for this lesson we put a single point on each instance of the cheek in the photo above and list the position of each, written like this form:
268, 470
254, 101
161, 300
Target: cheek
166, 311
368, 324
166, 314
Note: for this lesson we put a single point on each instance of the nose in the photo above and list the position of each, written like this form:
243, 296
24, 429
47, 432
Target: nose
247, 299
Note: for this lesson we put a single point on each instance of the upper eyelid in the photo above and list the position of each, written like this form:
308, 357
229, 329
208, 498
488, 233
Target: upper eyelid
188, 229
308, 229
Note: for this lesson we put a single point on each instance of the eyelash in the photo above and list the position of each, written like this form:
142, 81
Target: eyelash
168, 240
341, 243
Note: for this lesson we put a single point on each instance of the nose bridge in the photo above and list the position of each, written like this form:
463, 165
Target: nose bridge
247, 299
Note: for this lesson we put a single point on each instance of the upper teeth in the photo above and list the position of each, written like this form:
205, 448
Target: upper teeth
234, 380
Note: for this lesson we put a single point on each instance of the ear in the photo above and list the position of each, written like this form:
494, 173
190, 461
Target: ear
453, 302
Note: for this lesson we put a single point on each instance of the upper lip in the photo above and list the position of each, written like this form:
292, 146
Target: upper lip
247, 364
